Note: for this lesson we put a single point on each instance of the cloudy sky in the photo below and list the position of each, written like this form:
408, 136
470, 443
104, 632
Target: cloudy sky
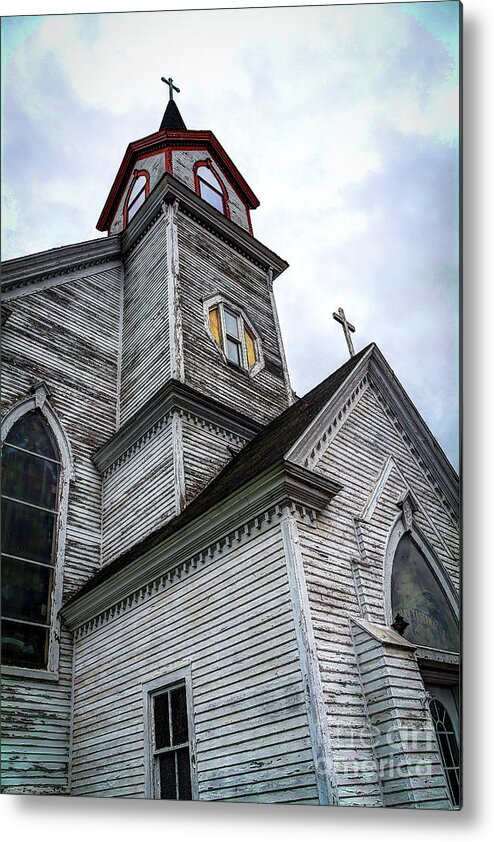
343, 120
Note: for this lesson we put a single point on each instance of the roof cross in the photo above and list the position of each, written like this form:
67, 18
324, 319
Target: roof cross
347, 328
171, 86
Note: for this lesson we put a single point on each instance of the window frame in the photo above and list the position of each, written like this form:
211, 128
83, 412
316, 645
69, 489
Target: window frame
174, 677
197, 186
127, 203
399, 529
222, 303
38, 402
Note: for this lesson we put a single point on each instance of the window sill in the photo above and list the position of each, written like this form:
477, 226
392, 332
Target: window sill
24, 672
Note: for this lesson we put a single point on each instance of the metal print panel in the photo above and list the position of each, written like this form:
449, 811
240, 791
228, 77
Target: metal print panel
230, 533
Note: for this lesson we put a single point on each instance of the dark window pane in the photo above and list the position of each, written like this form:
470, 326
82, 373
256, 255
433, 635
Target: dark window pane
419, 598
27, 532
24, 646
26, 590
180, 729
168, 785
233, 351
231, 324
31, 433
161, 721
30, 478
183, 774
211, 196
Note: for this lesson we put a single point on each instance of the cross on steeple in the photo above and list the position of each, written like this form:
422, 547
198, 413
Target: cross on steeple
347, 327
171, 86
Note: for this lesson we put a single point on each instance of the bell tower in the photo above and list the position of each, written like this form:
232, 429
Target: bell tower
202, 363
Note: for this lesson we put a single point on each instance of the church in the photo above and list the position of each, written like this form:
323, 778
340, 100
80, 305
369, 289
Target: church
211, 588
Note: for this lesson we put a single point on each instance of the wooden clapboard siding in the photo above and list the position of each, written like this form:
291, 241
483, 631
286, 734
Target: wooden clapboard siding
67, 336
206, 450
206, 271
146, 350
394, 693
155, 166
183, 161
139, 491
329, 548
35, 729
231, 619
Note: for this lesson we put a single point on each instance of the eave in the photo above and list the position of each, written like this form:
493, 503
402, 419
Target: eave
65, 260
284, 484
159, 141
170, 189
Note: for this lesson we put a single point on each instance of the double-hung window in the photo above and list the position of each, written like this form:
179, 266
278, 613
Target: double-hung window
170, 741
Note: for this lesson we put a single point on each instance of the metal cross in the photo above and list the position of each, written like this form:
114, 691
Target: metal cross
171, 86
347, 327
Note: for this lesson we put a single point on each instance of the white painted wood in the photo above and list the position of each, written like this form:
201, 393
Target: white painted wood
318, 726
232, 619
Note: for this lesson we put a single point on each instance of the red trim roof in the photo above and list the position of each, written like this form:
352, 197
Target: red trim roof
176, 140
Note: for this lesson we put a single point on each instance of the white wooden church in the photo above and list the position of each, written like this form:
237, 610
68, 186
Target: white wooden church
212, 589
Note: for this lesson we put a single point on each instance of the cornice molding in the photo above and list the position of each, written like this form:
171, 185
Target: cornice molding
169, 190
285, 486
66, 263
173, 396
160, 142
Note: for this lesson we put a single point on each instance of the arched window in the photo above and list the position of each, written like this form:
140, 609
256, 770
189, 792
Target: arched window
448, 746
31, 471
418, 596
210, 188
233, 335
136, 196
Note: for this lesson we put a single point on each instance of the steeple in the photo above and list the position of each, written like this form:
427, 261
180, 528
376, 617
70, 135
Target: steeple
172, 118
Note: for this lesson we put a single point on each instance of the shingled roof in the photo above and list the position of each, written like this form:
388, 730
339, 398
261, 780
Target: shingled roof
260, 453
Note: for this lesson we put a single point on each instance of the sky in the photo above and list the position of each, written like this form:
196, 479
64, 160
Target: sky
342, 119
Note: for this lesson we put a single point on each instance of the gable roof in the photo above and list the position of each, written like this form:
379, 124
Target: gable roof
277, 438
260, 453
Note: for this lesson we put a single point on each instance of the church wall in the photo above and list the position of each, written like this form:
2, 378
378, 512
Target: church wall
209, 267
155, 166
230, 619
139, 492
206, 450
332, 557
146, 351
183, 161
404, 741
66, 336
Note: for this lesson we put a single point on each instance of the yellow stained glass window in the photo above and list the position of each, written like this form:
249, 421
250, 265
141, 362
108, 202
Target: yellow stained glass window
250, 347
214, 324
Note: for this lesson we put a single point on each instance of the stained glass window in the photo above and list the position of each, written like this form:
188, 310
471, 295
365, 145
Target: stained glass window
417, 595
30, 501
230, 332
